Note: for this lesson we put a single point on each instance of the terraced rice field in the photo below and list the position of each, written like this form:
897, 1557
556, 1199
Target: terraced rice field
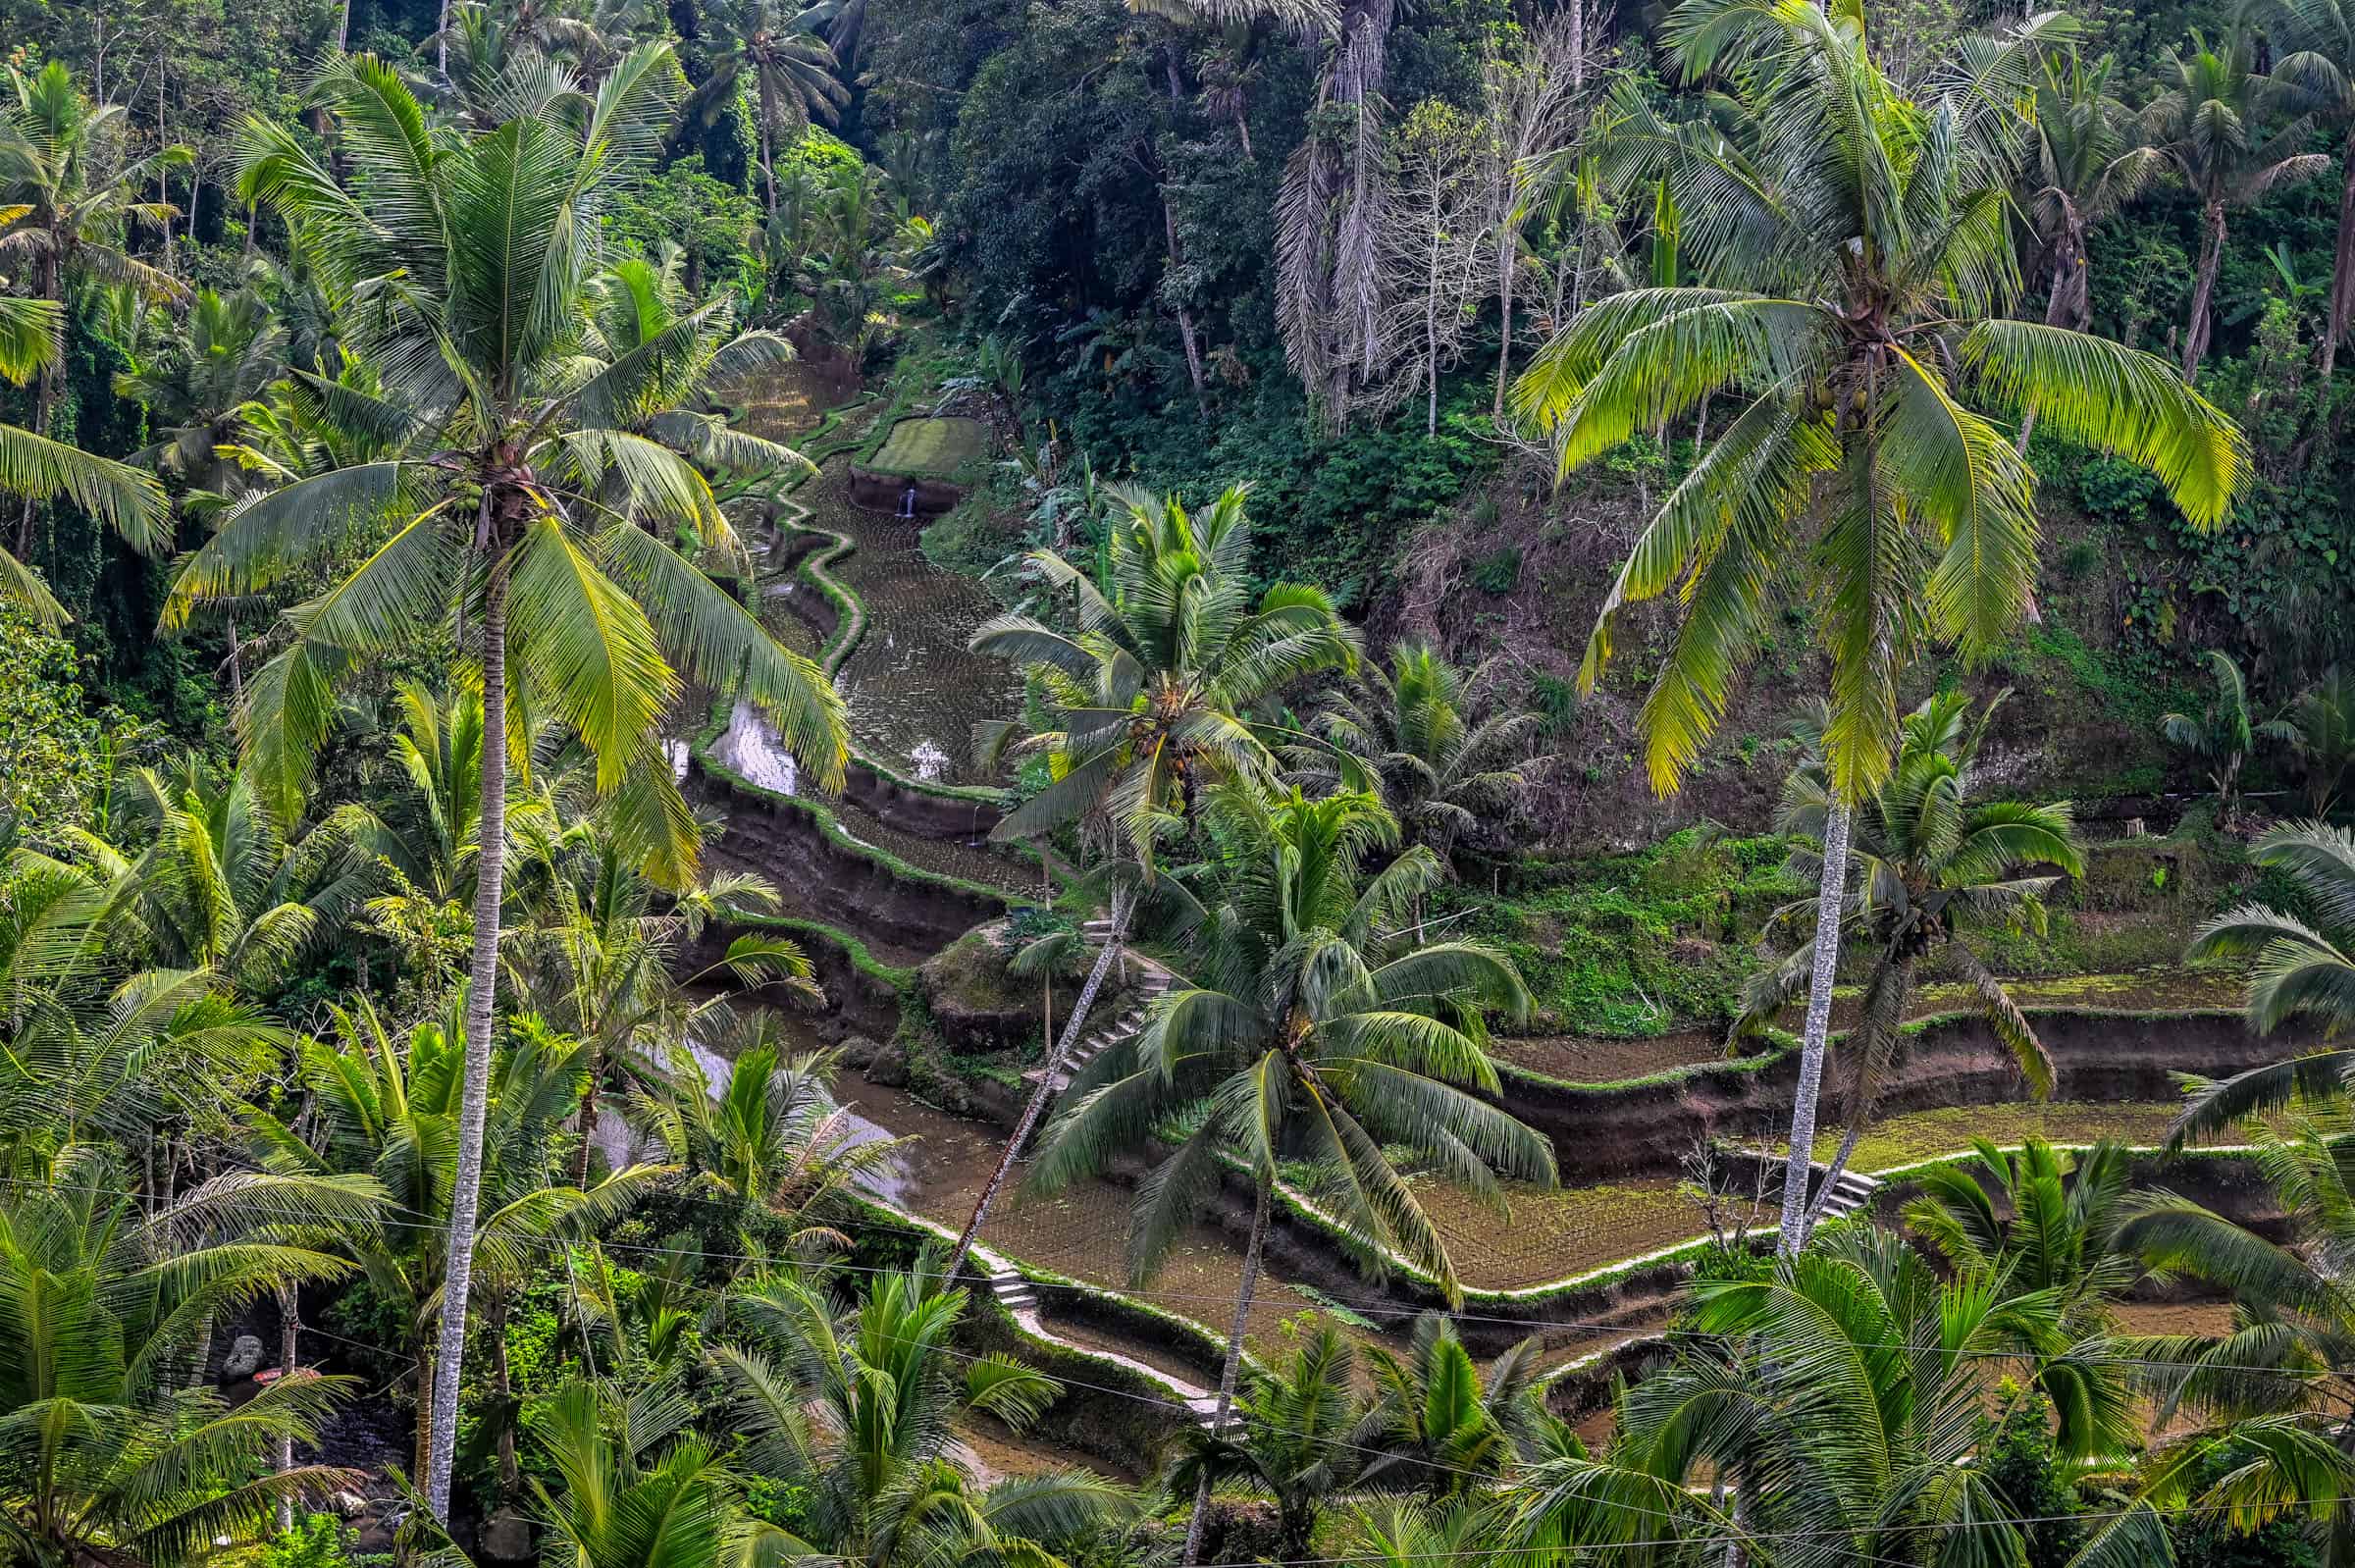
1926, 1134
930, 447
1081, 1234
1596, 1059
1543, 1235
914, 692
1606, 1059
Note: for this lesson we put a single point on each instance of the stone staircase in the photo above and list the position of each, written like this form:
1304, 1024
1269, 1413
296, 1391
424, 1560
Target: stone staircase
1852, 1191
1019, 1297
1142, 980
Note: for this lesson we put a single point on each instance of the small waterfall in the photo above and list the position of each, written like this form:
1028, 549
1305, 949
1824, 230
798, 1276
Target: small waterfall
748, 746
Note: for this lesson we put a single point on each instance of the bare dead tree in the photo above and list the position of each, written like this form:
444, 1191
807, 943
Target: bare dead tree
1534, 100
1731, 1206
1433, 246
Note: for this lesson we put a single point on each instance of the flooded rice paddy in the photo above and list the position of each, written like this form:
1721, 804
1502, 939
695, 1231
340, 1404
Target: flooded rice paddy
914, 692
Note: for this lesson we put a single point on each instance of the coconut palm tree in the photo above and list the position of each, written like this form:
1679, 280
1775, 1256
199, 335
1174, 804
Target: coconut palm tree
2318, 67
194, 389
1932, 865
793, 71
858, 1407
1316, 1033
516, 508
1151, 700
1445, 758
2206, 127
2222, 734
2320, 729
1444, 1427
201, 877
105, 1456
638, 1487
66, 194
766, 1138
1295, 1439
2083, 168
2271, 1390
33, 466
92, 1047
597, 960
390, 1106
1853, 299
2304, 971
1842, 1399
2061, 1239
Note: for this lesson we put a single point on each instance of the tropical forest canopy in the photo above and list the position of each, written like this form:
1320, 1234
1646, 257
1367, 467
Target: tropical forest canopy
1156, 783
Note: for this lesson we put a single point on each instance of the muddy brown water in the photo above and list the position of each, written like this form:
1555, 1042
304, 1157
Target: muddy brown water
1081, 1234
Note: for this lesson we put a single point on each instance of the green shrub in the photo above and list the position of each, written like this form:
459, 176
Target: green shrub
1498, 571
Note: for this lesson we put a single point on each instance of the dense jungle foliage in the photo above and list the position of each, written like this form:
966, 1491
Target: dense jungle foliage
1658, 871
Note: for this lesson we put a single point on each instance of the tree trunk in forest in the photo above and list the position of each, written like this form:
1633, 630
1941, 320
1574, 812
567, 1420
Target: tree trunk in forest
44, 408
1185, 314
768, 155
1232, 1368
1507, 255
1829, 890
510, 1473
1122, 903
2212, 253
422, 1458
289, 1322
481, 996
2343, 266
1856, 1120
442, 44
589, 1118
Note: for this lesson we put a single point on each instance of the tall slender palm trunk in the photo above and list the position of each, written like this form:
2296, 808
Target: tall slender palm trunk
289, 1324
2342, 266
1229, 1373
1856, 1124
1829, 889
481, 996
44, 405
1123, 904
2212, 254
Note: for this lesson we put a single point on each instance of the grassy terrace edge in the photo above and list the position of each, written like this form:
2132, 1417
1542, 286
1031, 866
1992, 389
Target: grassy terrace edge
851, 623
830, 827
1781, 1042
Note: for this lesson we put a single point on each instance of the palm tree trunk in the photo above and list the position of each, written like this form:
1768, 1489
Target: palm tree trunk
1829, 890
290, 1323
1122, 902
422, 1455
769, 153
2342, 266
1856, 1123
236, 677
481, 994
1229, 1373
510, 1473
1185, 315
588, 1114
44, 408
442, 44
2059, 307
1505, 323
2212, 253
